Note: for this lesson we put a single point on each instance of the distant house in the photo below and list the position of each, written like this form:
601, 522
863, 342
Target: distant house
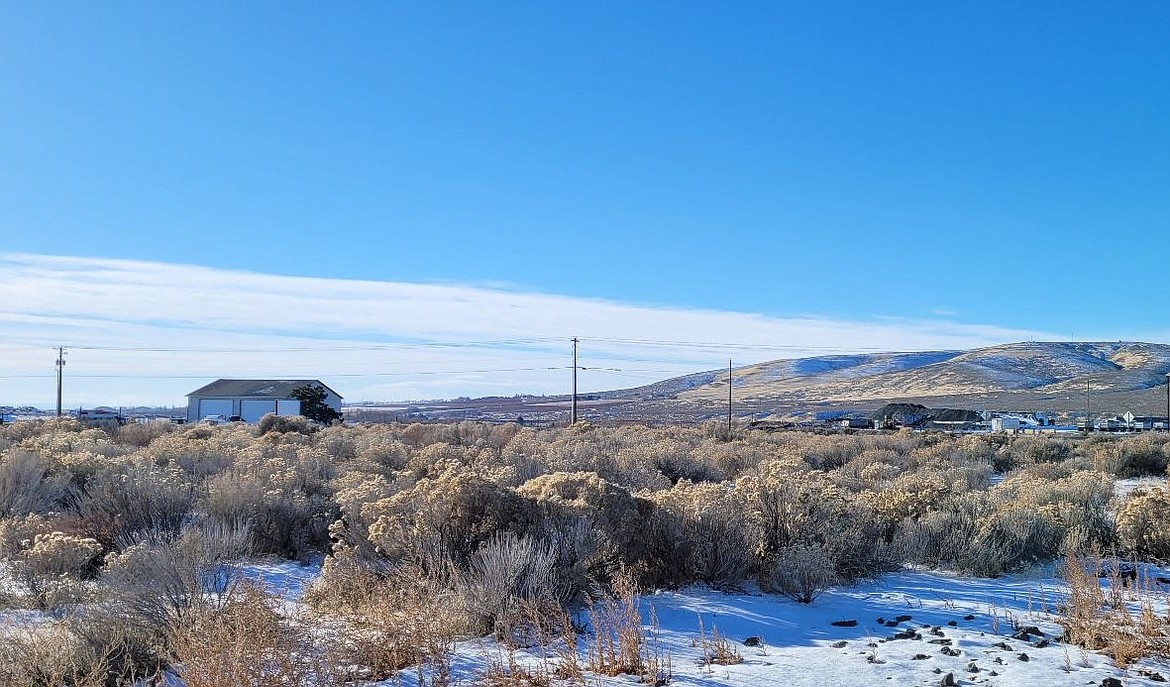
252, 399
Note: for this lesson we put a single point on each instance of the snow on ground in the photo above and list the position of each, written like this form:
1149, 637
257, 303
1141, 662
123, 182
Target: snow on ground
1122, 488
800, 647
283, 578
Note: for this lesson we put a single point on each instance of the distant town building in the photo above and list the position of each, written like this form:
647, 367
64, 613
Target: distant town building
101, 417
855, 423
251, 399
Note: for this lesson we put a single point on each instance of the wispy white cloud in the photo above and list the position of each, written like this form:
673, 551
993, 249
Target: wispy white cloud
148, 332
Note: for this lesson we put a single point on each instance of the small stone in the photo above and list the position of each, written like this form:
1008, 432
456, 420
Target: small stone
943, 642
919, 657
1111, 682
904, 618
874, 660
891, 623
1002, 645
839, 645
952, 623
1040, 644
752, 641
972, 668
993, 673
968, 617
1024, 657
948, 680
844, 623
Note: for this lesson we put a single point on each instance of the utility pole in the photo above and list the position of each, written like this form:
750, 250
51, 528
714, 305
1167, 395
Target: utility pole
60, 369
729, 400
573, 413
1088, 416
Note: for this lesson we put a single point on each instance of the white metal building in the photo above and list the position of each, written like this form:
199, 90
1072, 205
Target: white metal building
252, 399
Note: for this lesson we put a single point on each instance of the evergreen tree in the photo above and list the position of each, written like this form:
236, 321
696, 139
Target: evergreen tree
312, 398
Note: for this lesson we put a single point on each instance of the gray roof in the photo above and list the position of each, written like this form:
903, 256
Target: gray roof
255, 388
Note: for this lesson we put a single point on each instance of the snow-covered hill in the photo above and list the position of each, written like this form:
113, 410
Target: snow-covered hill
1043, 367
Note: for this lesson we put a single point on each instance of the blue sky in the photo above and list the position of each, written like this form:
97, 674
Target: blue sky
984, 171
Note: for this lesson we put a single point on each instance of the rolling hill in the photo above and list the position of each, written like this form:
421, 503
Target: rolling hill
1055, 376
1066, 379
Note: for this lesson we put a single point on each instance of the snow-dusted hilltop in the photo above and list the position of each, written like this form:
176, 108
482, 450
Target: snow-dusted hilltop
1041, 367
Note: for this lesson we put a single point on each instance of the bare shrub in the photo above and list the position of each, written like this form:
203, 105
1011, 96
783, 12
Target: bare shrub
51, 569
26, 485
247, 643
1145, 454
802, 572
51, 656
715, 648
1141, 525
507, 576
120, 500
272, 422
616, 516
1125, 629
17, 533
443, 520
1026, 450
389, 622
282, 495
1029, 518
153, 582
618, 644
946, 537
142, 433
698, 533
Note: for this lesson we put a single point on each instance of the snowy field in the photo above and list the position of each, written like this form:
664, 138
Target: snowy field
912, 628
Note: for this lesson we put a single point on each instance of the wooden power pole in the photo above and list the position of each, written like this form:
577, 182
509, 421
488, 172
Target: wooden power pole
728, 400
573, 412
60, 370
